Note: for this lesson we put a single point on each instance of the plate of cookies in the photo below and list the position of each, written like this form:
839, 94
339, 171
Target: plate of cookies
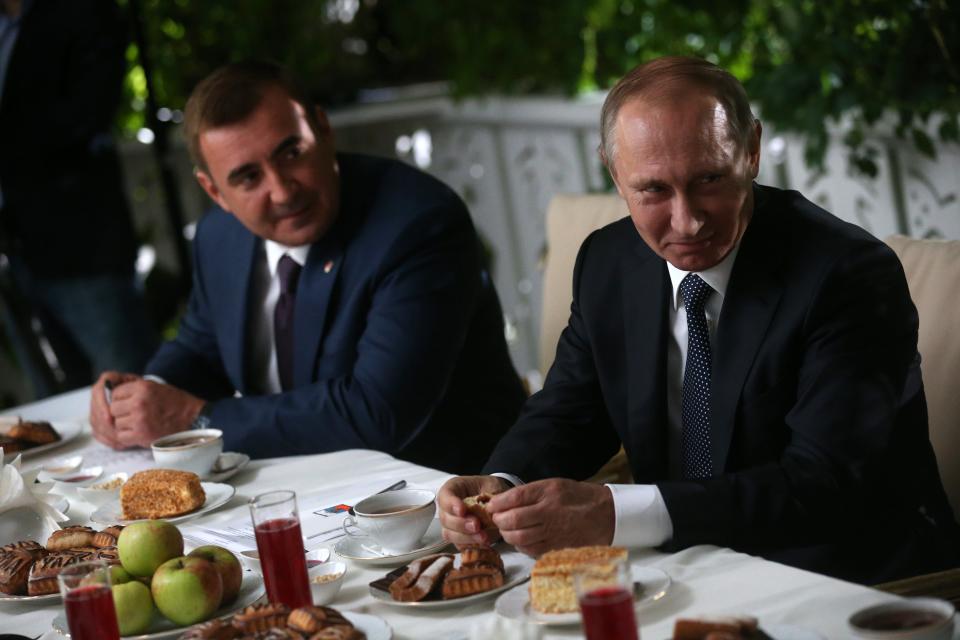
30, 437
165, 494
29, 570
273, 620
445, 579
550, 598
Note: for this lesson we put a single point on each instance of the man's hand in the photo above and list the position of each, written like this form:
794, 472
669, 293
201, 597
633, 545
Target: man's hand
554, 513
143, 411
101, 419
459, 527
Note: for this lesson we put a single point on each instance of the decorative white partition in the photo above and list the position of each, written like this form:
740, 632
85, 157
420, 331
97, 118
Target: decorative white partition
507, 157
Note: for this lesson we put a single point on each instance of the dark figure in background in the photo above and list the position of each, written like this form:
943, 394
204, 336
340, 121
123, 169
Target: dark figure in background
342, 295
64, 220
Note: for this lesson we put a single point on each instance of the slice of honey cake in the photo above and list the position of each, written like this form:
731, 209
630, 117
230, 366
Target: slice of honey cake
551, 581
161, 493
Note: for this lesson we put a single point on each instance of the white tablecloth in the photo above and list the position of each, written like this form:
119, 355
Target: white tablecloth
706, 579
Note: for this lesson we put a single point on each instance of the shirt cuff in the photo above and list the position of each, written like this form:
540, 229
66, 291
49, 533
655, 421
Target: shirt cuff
512, 479
152, 378
641, 516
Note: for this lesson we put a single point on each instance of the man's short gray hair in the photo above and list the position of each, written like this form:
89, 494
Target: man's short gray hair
659, 77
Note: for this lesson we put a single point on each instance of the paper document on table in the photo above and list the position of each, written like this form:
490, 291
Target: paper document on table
321, 518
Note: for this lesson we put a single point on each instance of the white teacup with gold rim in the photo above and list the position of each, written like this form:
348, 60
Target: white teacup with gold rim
395, 520
194, 450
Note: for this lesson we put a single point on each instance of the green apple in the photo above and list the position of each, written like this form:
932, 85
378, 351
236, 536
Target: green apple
119, 575
144, 546
134, 607
187, 590
231, 573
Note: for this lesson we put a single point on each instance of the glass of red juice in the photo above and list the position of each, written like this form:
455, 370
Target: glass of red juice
605, 593
88, 601
276, 524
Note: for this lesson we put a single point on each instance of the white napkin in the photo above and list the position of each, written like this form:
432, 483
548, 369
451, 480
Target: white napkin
16, 490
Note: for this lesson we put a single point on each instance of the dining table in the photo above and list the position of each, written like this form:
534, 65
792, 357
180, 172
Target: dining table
704, 580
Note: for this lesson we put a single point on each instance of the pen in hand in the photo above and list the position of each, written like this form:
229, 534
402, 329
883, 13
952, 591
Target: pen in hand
108, 391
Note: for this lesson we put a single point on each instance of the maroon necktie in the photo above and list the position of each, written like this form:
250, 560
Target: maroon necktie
289, 272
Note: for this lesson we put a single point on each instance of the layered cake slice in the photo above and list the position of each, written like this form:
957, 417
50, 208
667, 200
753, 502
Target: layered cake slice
551, 581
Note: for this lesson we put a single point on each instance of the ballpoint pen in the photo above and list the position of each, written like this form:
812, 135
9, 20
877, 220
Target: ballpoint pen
108, 391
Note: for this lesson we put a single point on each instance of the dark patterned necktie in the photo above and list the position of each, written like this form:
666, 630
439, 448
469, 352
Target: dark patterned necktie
695, 407
289, 272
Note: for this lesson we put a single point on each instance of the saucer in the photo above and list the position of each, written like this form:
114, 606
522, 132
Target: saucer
368, 552
217, 496
227, 465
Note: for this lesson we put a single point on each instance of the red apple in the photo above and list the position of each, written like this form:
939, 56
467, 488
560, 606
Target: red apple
187, 590
227, 564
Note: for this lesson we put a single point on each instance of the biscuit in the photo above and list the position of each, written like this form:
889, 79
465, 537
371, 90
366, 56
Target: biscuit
260, 617
14, 572
34, 432
218, 629
312, 619
339, 632
468, 581
108, 537
29, 547
70, 537
422, 578
477, 506
474, 554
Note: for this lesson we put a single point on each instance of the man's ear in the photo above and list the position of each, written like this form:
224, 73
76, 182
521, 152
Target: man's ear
324, 129
210, 187
753, 151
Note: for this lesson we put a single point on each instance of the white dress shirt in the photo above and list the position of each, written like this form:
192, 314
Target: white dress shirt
642, 519
641, 516
265, 292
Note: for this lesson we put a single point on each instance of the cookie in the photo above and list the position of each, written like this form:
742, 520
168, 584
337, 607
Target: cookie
312, 619
260, 617
70, 537
34, 432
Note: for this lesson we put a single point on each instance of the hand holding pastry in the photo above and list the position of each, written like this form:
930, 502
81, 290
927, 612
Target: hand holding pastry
462, 526
554, 513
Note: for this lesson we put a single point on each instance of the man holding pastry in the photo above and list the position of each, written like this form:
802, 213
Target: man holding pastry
338, 300
755, 356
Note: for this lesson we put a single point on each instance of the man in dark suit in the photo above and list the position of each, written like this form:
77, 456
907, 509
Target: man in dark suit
341, 295
64, 219
755, 356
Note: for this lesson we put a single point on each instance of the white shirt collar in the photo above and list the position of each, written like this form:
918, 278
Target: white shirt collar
275, 251
717, 276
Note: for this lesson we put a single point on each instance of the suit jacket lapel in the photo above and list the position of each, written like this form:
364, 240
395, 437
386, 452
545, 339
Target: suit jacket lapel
645, 295
314, 289
235, 289
748, 308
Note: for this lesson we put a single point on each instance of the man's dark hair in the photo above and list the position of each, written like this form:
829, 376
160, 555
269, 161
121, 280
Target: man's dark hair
230, 94
664, 76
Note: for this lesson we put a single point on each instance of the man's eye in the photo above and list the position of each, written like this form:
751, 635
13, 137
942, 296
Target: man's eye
294, 152
713, 177
249, 179
653, 188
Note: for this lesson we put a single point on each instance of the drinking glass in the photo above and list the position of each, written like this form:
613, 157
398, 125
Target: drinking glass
276, 524
88, 601
605, 593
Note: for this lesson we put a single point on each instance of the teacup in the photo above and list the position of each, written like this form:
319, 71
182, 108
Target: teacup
395, 520
195, 450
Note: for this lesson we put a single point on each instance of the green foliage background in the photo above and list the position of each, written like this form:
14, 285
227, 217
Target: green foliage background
804, 62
